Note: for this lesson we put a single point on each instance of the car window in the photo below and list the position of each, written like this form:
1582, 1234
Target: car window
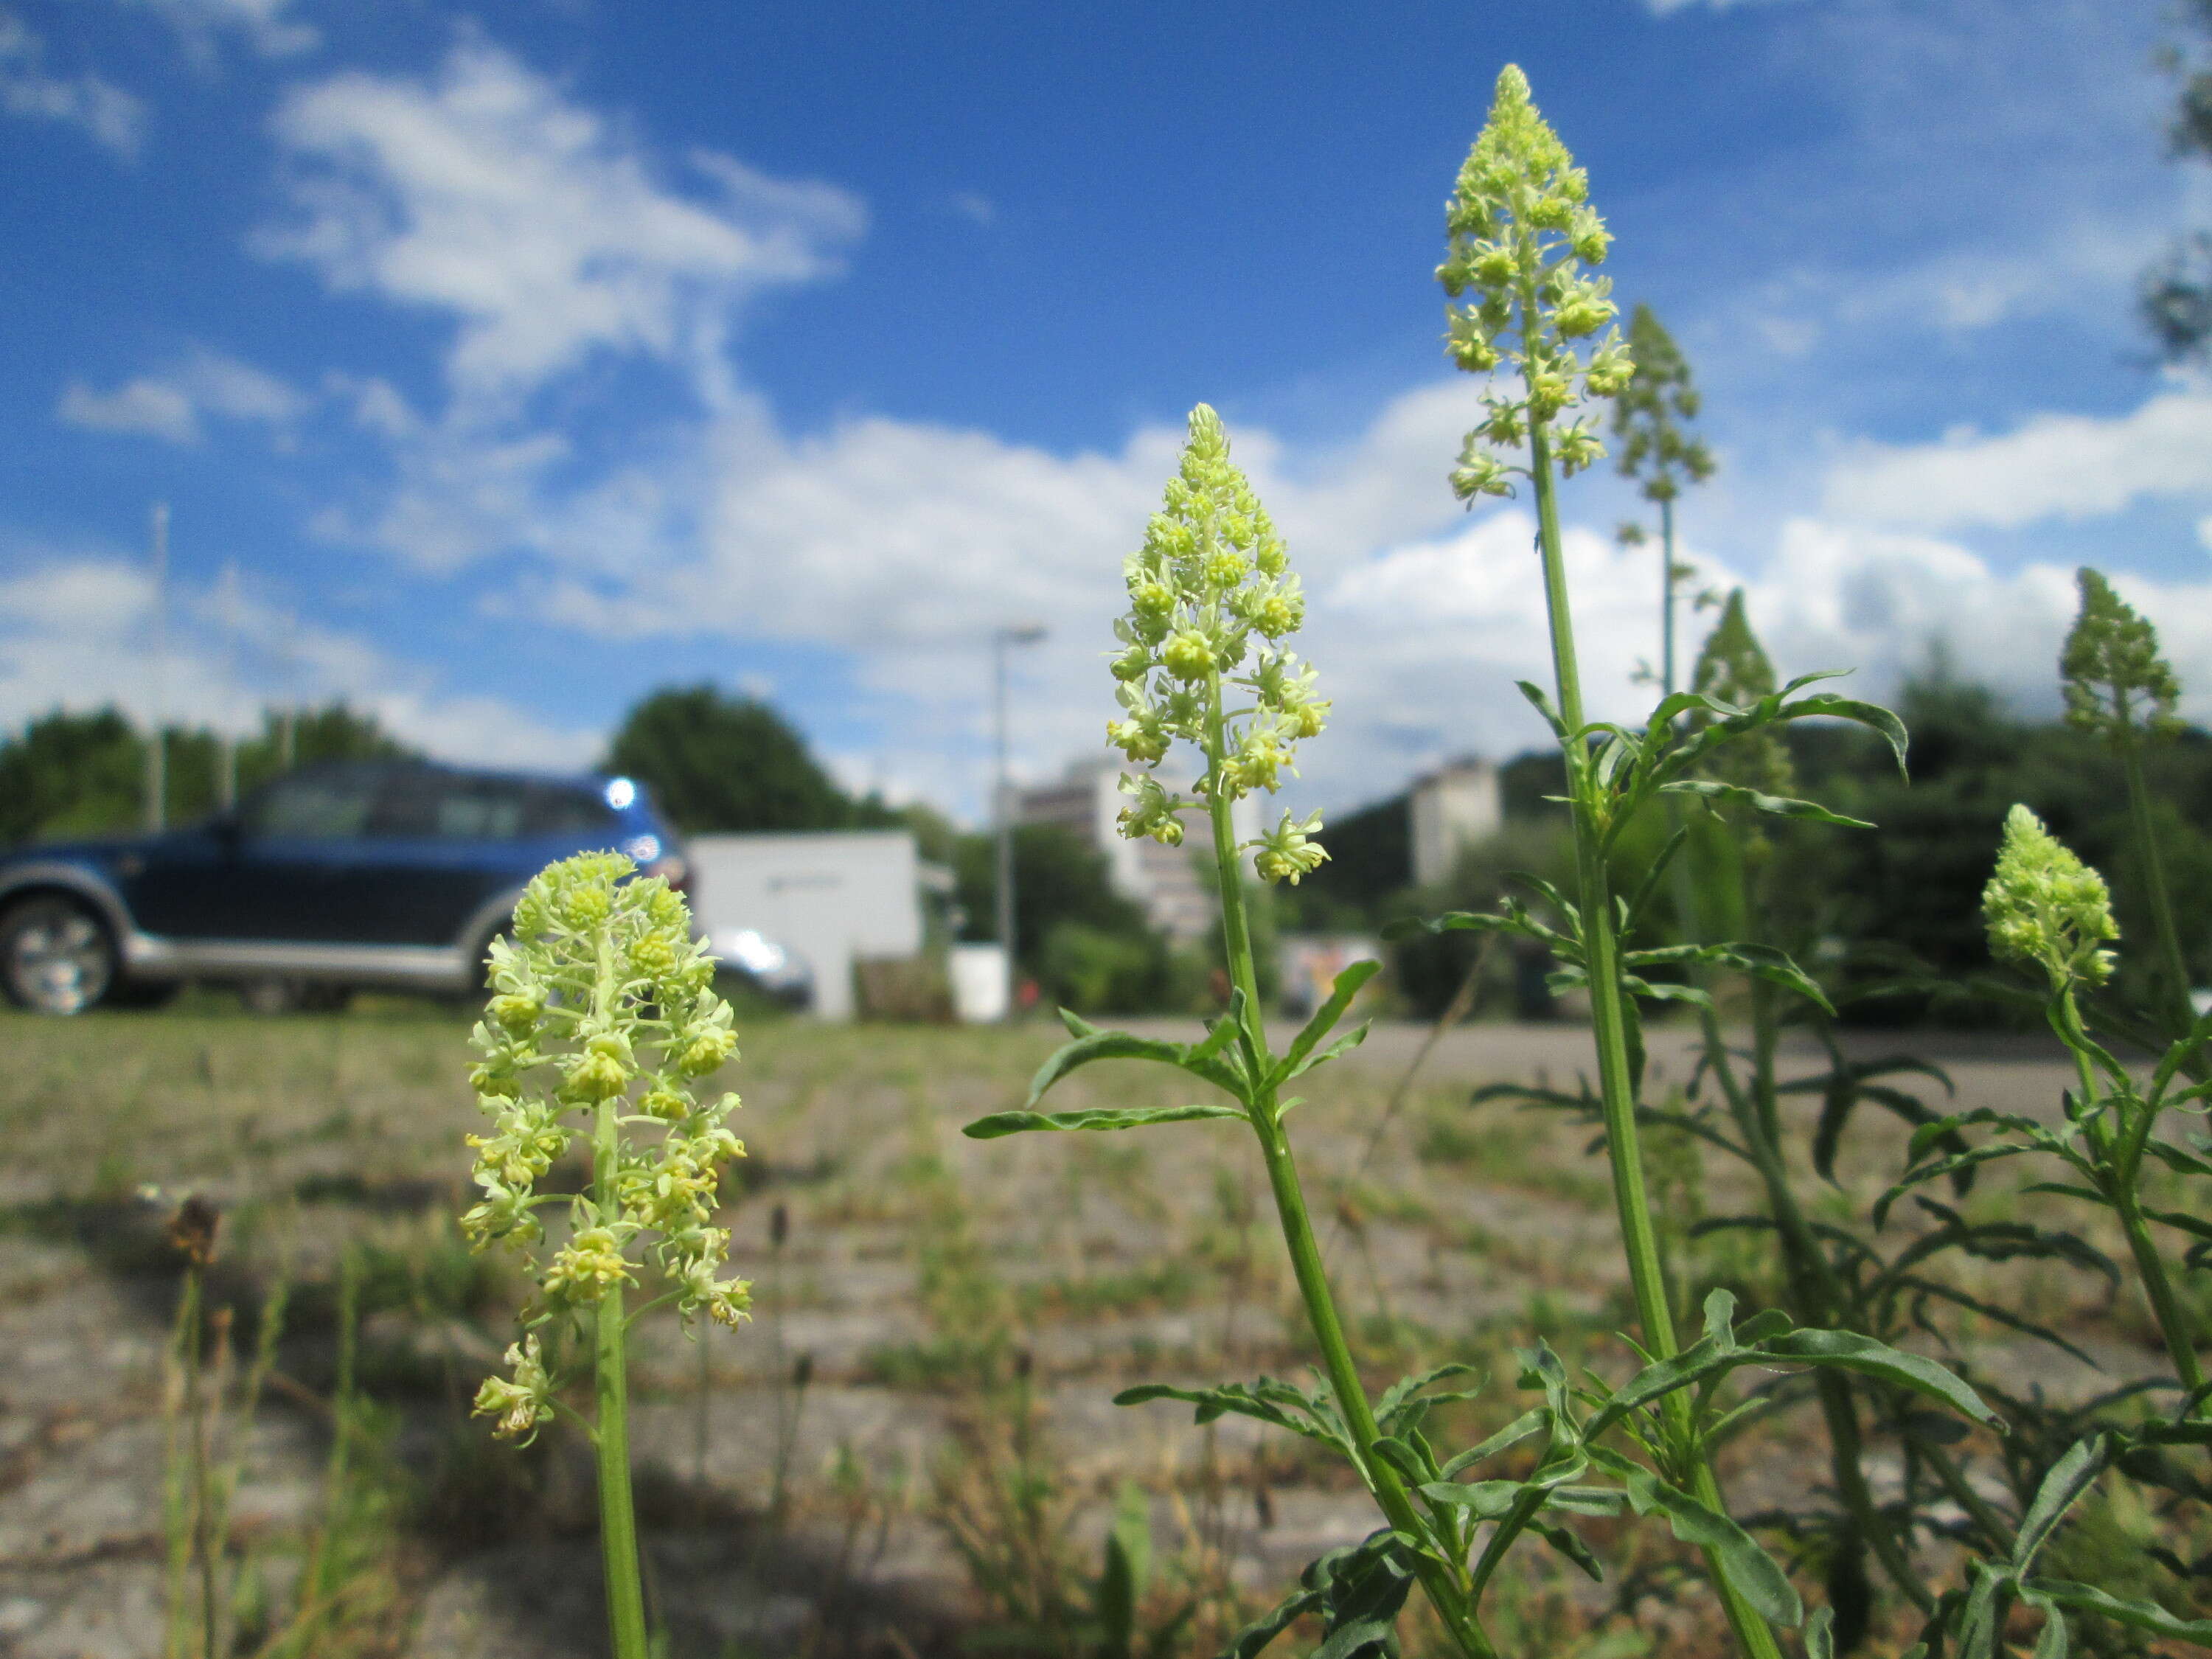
551, 810
312, 807
443, 806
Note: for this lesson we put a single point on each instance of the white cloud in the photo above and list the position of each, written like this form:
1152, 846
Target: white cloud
263, 23
1668, 7
77, 632
106, 112
142, 408
2064, 466
485, 194
170, 405
973, 204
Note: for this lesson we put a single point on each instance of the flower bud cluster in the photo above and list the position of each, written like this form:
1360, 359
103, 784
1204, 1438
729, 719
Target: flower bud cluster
602, 1001
2116, 682
1521, 231
1210, 598
2044, 905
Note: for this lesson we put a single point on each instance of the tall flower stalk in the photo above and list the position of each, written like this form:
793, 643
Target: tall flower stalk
602, 1023
1203, 661
2120, 689
1658, 452
1522, 229
1521, 233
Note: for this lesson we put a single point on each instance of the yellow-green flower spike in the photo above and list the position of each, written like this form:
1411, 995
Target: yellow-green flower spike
2044, 905
1521, 229
602, 996
1211, 593
2115, 681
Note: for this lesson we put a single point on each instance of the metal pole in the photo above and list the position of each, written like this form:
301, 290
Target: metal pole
226, 783
157, 769
1003, 884
1003, 879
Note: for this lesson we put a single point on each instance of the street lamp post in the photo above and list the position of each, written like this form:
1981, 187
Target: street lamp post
1003, 884
157, 742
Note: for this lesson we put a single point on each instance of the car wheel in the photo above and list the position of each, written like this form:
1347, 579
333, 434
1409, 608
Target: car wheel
56, 956
270, 996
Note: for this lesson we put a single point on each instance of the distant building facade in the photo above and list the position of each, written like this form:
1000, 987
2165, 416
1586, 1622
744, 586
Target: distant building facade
1087, 802
1451, 808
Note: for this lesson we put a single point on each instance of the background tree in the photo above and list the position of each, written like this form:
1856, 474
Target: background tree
1657, 449
2175, 294
1088, 947
715, 761
84, 774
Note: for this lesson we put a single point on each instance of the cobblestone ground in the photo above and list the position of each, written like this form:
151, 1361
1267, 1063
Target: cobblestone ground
960, 1310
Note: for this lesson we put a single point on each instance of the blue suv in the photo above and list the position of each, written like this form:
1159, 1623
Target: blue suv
396, 874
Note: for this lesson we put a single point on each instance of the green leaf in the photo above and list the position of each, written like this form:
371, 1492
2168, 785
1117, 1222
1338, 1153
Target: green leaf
1269, 1400
1567, 1544
1749, 1570
1253, 1639
1399, 1395
1542, 704
1781, 806
1100, 1117
1121, 1579
1848, 1351
2195, 1226
2143, 1615
1632, 910
1403, 1458
1095, 1045
2177, 1158
1532, 1421
1346, 987
1940, 1167
1827, 706
1488, 1499
2069, 1478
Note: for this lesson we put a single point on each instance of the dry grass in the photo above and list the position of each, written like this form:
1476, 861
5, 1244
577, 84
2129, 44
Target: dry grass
940, 1289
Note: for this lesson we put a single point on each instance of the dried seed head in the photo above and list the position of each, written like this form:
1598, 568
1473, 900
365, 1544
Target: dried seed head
2045, 905
191, 1229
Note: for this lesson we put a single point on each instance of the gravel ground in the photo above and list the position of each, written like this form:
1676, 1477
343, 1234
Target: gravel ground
916, 1262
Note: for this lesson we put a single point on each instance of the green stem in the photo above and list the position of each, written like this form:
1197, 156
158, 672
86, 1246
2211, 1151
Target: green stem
1445, 1585
196, 1414
618, 1518
2120, 1163
1667, 597
2179, 1015
1815, 1294
625, 1588
1608, 1020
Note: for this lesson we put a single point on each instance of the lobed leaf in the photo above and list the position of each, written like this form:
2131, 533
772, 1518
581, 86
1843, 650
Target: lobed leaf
1749, 1570
1347, 986
1781, 806
1101, 1117
2143, 1615
1092, 1045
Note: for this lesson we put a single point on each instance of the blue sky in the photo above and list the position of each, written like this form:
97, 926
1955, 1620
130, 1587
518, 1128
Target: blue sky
522, 357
